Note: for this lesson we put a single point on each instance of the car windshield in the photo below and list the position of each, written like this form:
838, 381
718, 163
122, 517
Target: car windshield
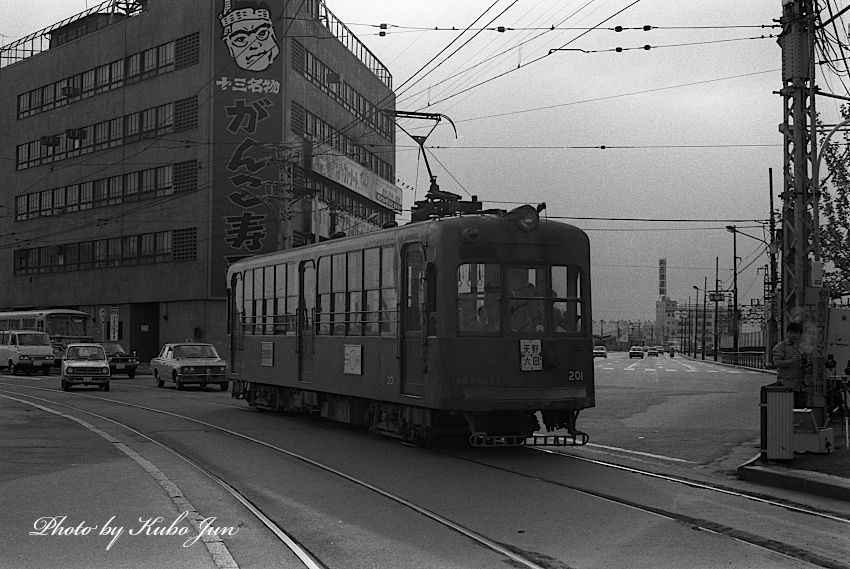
113, 348
195, 351
85, 353
33, 340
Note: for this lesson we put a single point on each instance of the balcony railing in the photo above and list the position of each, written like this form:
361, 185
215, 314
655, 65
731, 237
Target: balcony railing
48, 37
354, 45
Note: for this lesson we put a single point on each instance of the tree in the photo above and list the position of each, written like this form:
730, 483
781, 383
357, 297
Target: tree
835, 214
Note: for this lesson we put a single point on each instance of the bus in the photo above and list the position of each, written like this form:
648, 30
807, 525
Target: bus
63, 325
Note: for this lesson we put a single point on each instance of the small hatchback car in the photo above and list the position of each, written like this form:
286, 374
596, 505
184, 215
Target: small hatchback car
85, 364
600, 352
636, 352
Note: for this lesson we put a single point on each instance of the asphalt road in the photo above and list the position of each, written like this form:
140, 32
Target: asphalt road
691, 410
359, 501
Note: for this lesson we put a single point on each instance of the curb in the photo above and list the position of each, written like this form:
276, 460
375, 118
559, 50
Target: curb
817, 483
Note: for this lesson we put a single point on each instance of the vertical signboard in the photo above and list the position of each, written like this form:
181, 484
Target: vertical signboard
662, 277
247, 121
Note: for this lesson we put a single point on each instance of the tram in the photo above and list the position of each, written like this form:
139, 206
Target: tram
475, 326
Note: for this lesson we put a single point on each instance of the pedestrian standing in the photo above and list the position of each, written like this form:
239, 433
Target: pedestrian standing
789, 361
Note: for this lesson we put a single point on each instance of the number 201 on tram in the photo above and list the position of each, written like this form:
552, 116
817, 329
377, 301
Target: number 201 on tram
475, 326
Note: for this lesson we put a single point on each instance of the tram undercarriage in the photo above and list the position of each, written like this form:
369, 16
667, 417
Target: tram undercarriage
418, 425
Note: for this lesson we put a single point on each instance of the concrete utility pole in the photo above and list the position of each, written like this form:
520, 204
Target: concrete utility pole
802, 299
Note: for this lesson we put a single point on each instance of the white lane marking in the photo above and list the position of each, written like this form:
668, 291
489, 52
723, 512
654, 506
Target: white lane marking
215, 546
647, 454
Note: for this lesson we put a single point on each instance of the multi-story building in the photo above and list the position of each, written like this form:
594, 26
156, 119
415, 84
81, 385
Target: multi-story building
149, 143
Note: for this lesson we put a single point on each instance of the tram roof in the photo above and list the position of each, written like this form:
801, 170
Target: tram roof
431, 227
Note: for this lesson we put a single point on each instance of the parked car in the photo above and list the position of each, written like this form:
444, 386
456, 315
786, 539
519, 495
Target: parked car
85, 364
119, 360
189, 362
26, 350
636, 352
600, 352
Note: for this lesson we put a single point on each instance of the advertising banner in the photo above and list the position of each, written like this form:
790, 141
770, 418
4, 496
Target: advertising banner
247, 124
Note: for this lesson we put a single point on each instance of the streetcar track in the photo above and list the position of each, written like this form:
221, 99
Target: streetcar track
309, 561
787, 550
518, 558
790, 551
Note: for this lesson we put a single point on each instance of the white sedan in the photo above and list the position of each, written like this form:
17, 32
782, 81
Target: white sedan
189, 362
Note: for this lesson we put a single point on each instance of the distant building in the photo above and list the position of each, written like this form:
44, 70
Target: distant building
153, 142
665, 319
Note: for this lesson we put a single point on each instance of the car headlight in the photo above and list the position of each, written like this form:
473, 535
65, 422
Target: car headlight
23, 357
104, 371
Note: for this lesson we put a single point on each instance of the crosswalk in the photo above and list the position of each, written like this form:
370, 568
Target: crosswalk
662, 364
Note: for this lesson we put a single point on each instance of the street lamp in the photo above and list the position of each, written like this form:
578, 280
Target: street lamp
734, 231
704, 300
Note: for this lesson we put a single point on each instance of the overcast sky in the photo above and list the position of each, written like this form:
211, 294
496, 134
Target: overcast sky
690, 126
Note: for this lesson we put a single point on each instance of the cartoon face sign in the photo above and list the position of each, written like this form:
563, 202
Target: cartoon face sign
249, 34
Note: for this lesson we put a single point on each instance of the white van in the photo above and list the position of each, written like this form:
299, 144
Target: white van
26, 350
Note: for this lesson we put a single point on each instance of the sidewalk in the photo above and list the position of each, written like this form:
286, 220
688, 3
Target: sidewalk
821, 474
73, 499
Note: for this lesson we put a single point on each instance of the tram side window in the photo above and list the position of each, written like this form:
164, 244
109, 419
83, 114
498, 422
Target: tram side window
291, 309
479, 304
324, 306
371, 291
279, 299
338, 274
568, 300
389, 292
258, 301
268, 299
353, 322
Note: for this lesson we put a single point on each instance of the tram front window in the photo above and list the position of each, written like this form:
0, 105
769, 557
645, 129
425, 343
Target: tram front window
526, 305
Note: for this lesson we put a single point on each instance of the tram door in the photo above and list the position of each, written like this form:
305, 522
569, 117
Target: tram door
412, 321
306, 326
235, 298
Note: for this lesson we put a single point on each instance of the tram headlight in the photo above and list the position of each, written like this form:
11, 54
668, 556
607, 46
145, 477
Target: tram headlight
526, 217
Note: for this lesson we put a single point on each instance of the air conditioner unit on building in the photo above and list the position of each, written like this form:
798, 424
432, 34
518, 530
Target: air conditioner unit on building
49, 140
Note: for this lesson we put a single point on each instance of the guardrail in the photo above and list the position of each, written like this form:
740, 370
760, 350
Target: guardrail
746, 359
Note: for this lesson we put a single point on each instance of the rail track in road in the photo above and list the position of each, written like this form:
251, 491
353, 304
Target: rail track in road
745, 536
515, 556
308, 559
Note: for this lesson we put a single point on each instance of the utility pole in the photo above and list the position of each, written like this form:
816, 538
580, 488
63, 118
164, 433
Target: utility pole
772, 305
735, 320
802, 299
704, 306
716, 298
